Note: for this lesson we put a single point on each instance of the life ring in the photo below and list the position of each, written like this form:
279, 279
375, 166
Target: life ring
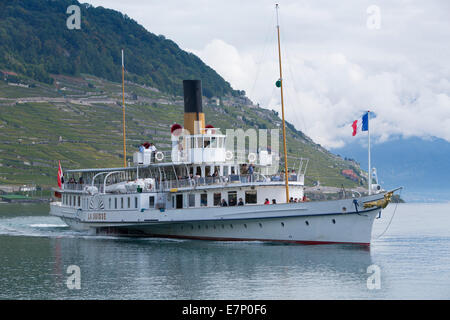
159, 156
251, 157
229, 155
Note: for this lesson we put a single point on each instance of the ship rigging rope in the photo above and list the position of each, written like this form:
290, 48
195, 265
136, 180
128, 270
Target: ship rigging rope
392, 217
268, 39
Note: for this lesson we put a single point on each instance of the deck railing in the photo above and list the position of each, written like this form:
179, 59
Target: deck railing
194, 182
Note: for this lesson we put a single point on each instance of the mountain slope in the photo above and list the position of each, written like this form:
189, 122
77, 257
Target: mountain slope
35, 41
80, 123
60, 95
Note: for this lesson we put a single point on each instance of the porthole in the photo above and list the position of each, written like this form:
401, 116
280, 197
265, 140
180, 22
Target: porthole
260, 225
245, 226
307, 223
282, 224
334, 221
231, 226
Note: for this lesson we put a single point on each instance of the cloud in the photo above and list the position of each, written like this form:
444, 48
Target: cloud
334, 67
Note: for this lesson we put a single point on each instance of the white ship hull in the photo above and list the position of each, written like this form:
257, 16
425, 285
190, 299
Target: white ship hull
324, 222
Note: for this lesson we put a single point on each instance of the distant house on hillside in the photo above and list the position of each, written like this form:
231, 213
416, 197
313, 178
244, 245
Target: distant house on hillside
349, 173
8, 74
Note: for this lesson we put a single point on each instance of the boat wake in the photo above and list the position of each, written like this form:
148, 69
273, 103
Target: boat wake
53, 227
34, 226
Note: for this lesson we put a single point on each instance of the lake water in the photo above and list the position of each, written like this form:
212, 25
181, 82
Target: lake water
412, 260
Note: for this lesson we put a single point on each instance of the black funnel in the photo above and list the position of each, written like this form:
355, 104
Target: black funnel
192, 96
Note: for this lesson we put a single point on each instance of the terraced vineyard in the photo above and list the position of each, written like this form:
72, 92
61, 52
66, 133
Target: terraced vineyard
79, 121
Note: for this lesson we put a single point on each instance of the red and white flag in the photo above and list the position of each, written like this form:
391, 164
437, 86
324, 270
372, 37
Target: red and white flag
60, 175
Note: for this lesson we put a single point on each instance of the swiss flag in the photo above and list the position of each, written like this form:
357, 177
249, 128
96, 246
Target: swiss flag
60, 175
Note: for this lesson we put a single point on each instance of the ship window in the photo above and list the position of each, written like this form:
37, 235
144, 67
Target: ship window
110, 203
121, 203
179, 201
135, 202
217, 199
213, 142
70, 201
232, 198
115, 203
79, 201
250, 196
204, 199
192, 200
129, 202
206, 143
151, 201
307, 223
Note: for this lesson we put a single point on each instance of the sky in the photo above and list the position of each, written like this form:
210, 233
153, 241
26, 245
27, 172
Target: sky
339, 59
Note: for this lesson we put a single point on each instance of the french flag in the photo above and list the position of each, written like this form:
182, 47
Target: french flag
364, 122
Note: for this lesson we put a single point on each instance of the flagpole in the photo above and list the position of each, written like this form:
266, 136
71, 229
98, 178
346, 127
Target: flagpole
370, 167
123, 114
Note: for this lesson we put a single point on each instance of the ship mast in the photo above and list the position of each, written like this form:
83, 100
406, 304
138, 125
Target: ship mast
286, 173
123, 114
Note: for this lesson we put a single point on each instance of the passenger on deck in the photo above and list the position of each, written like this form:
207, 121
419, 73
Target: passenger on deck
291, 200
293, 176
224, 203
240, 203
80, 181
274, 201
267, 201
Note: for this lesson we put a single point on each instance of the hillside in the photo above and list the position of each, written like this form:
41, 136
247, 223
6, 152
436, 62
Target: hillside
60, 95
79, 121
35, 41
